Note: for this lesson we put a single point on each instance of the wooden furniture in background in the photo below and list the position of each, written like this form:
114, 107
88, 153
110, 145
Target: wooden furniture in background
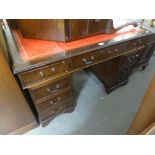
45, 68
65, 29
3, 44
145, 117
16, 116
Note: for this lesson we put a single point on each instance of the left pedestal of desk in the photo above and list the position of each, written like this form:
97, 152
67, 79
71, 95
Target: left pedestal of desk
15, 115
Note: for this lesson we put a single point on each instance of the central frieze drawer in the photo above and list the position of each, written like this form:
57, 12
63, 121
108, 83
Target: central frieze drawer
97, 56
85, 60
50, 88
36, 75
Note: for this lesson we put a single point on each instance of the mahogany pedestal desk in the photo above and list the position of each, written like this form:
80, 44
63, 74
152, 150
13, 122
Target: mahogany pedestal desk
45, 68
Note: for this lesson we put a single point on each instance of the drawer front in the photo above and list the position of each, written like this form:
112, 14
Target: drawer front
130, 59
49, 89
91, 58
51, 112
33, 76
136, 43
53, 102
111, 52
85, 60
140, 41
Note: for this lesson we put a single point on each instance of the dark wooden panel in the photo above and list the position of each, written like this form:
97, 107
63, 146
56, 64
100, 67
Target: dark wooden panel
97, 26
79, 28
42, 28
116, 71
15, 114
106, 72
61, 30
36, 75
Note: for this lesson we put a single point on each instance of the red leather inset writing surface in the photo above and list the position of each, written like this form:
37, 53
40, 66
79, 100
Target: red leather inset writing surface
32, 48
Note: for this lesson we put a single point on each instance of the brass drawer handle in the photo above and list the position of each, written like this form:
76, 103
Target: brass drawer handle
135, 44
88, 62
53, 111
57, 111
137, 55
116, 50
56, 102
53, 69
41, 74
54, 90
109, 52
139, 41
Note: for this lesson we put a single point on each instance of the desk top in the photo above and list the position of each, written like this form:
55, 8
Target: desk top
31, 53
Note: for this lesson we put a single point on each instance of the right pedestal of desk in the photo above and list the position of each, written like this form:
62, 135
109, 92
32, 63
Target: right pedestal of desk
115, 72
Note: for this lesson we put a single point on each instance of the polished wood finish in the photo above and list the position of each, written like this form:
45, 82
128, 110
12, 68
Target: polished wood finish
115, 72
114, 58
54, 101
62, 29
52, 97
42, 29
97, 26
3, 45
37, 75
16, 116
77, 29
65, 29
50, 88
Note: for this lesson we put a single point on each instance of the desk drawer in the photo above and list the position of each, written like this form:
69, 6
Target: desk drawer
97, 56
47, 110
36, 75
131, 58
111, 52
53, 102
85, 60
49, 88
53, 112
136, 43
